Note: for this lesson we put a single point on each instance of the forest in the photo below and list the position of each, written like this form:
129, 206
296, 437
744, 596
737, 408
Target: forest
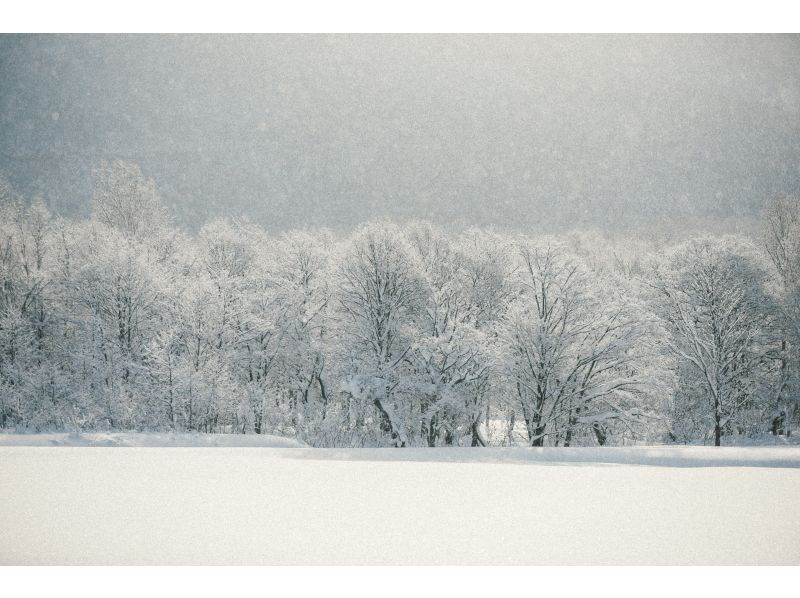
395, 334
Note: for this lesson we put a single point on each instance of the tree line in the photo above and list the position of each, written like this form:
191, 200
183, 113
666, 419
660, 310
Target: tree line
392, 335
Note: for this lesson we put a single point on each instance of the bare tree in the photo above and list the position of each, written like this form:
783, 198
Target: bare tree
450, 358
569, 352
378, 296
781, 236
124, 199
713, 301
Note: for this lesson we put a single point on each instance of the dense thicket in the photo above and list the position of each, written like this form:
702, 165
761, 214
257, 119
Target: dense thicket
394, 335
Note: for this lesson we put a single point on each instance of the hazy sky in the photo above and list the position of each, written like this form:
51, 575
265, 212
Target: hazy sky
523, 132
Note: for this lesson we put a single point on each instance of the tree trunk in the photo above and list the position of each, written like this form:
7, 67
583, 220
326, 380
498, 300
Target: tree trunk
572, 421
449, 438
324, 395
512, 422
534, 427
477, 439
599, 433
387, 425
431, 430
538, 437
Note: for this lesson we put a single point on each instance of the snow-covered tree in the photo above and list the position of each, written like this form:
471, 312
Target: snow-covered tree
447, 356
569, 345
378, 300
390, 335
124, 199
712, 298
781, 236
28, 312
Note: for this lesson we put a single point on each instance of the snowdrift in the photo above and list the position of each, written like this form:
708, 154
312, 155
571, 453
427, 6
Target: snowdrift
660, 456
139, 439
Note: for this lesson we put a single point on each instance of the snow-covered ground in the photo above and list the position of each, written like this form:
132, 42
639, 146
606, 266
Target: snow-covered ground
243, 505
151, 439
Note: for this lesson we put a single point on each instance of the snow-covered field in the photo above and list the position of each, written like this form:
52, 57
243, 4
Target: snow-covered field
183, 503
150, 439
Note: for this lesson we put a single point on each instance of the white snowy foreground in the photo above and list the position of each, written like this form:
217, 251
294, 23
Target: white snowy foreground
189, 504
150, 439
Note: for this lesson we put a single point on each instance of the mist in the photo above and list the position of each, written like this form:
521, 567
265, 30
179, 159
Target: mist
638, 133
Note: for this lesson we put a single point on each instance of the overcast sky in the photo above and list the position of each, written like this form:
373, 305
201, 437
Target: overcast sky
523, 132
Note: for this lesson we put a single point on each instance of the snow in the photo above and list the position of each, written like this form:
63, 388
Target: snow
192, 505
151, 439
670, 456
